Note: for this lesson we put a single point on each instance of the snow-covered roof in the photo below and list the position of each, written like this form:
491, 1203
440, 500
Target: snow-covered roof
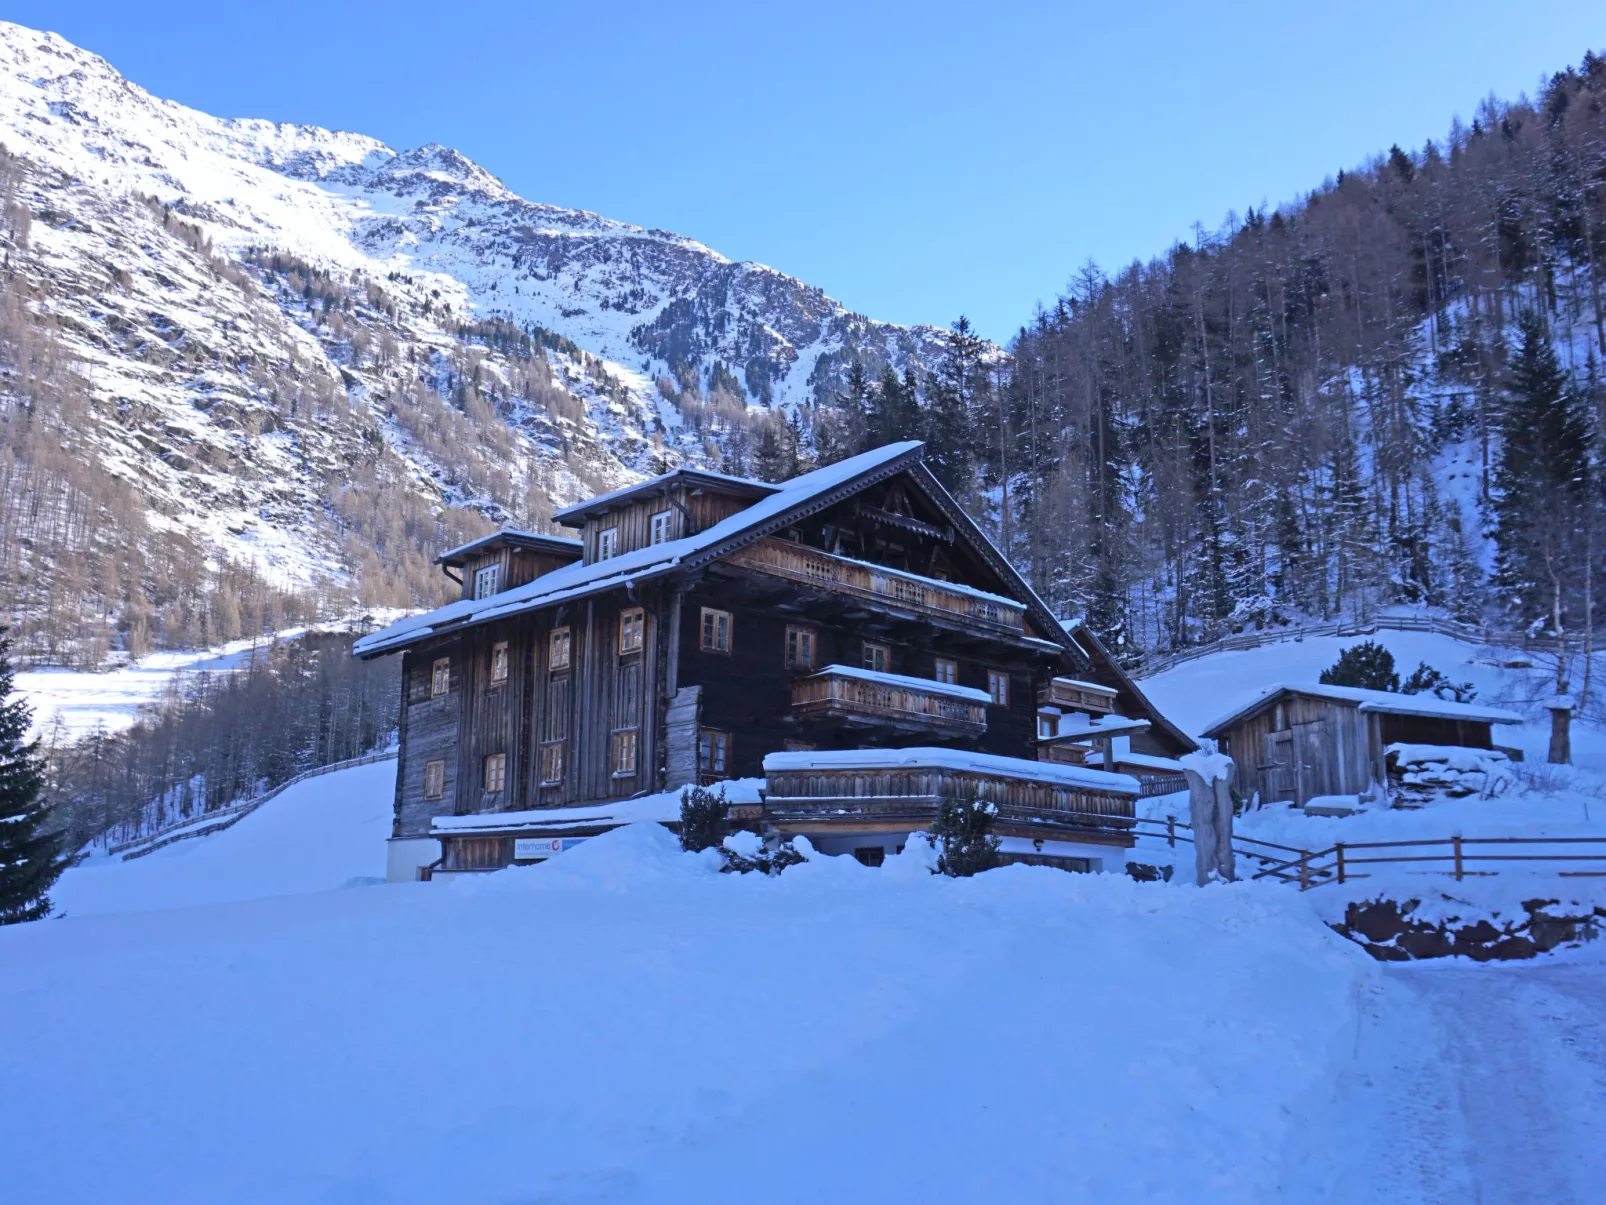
1080, 684
579, 579
1382, 701
509, 535
922, 758
665, 805
929, 685
1098, 726
574, 516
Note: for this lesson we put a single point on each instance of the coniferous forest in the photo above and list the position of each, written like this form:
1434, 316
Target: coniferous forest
1388, 391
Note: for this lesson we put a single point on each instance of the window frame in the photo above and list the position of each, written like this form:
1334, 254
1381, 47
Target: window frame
951, 678
435, 779
499, 664
710, 740
658, 527
867, 651
632, 622
703, 630
623, 740
797, 635
559, 637
440, 677
607, 543
552, 758
998, 687
499, 761
491, 573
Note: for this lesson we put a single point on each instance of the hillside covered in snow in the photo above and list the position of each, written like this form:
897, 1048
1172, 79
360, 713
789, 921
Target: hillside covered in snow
243, 363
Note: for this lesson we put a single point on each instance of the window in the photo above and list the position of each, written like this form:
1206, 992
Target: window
713, 753
434, 779
554, 730
559, 646
440, 677
499, 662
793, 746
871, 855
716, 631
627, 694
660, 527
551, 764
947, 671
495, 771
632, 628
800, 648
487, 581
998, 686
877, 657
607, 544
624, 753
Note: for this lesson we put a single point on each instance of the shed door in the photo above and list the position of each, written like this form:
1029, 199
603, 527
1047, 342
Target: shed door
1312, 764
1278, 771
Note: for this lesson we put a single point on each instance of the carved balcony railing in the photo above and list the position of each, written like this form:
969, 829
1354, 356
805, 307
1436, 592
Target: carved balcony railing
838, 573
861, 698
911, 784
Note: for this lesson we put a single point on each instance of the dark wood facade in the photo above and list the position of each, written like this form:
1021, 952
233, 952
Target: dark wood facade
700, 670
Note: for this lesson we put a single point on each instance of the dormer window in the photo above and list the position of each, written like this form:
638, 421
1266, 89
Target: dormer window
660, 527
487, 581
607, 544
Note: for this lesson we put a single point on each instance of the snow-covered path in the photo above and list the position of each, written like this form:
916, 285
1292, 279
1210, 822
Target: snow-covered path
1480, 1084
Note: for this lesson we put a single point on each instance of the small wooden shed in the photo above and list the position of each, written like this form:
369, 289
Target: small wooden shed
1299, 742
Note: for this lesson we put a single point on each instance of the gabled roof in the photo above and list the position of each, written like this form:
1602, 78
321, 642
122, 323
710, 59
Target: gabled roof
789, 501
576, 515
1382, 701
557, 545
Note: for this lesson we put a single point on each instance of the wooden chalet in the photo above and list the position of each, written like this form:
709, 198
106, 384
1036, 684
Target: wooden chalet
1297, 743
702, 627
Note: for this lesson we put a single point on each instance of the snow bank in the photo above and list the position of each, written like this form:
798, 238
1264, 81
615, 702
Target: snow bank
319, 835
625, 1024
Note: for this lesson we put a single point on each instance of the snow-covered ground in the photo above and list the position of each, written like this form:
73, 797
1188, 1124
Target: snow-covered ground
239, 1018
319, 835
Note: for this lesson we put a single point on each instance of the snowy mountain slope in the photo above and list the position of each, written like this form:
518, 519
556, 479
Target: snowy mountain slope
326, 358
621, 292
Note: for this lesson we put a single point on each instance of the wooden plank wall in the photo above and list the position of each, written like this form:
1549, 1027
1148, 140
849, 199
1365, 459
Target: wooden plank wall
634, 522
749, 692
431, 729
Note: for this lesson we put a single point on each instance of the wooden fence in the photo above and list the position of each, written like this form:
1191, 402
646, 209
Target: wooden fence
208, 823
1448, 855
1364, 627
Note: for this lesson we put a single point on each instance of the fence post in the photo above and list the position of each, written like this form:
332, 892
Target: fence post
1338, 850
1304, 870
1171, 831
1456, 842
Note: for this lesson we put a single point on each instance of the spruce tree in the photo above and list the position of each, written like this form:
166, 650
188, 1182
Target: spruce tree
30, 860
1368, 665
1540, 482
964, 831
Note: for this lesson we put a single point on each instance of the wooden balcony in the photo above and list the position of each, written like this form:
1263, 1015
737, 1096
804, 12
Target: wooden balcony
1074, 695
877, 584
892, 787
862, 699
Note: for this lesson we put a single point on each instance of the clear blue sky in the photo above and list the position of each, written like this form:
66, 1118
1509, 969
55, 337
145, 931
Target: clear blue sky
917, 161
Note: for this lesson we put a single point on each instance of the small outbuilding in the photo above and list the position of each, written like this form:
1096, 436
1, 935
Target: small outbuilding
1299, 742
